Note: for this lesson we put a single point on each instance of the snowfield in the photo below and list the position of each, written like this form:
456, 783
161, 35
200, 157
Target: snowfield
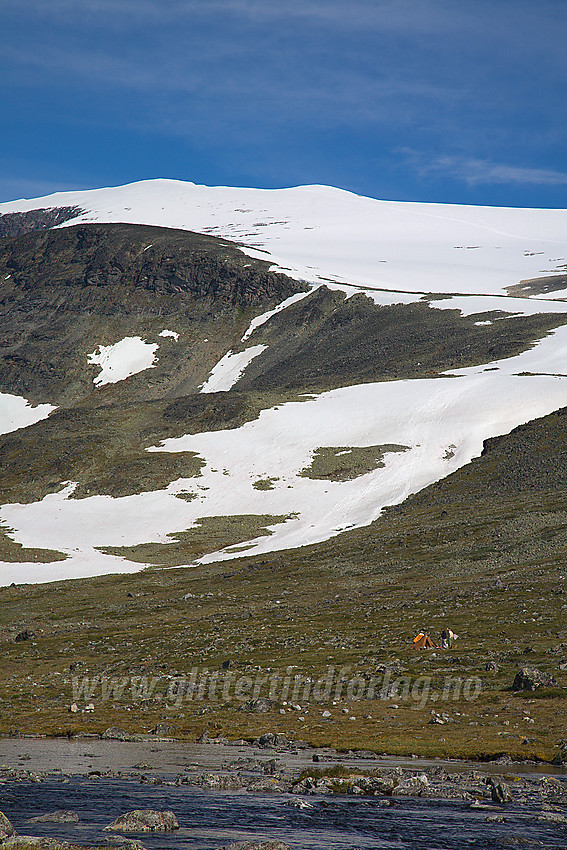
393, 252
318, 232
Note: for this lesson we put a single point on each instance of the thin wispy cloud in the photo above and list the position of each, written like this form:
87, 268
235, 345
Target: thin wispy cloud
476, 172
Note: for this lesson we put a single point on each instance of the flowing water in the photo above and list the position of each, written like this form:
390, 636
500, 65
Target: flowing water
209, 818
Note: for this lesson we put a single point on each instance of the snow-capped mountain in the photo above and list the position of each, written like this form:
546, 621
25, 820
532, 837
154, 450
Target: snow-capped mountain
308, 359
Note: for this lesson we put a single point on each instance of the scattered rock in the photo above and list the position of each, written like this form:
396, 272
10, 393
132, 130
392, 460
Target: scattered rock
144, 820
530, 679
440, 718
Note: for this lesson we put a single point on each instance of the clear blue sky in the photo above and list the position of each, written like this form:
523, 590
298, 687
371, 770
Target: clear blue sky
440, 100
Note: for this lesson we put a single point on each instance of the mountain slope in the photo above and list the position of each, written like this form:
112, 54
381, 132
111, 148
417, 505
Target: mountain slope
482, 551
202, 391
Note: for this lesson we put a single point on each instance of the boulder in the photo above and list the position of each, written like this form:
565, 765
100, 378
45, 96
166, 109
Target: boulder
530, 679
499, 790
114, 733
144, 820
6, 828
413, 786
59, 816
258, 706
165, 729
273, 740
553, 791
25, 635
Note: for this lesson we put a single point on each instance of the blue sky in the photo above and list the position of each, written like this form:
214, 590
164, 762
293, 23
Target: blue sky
459, 101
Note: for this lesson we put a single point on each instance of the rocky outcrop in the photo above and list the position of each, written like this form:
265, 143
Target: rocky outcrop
529, 679
6, 828
144, 820
16, 224
64, 292
499, 790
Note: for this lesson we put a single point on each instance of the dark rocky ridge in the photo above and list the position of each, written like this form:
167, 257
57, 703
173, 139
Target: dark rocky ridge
16, 224
63, 292
327, 340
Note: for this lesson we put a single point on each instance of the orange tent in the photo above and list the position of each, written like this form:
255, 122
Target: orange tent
423, 641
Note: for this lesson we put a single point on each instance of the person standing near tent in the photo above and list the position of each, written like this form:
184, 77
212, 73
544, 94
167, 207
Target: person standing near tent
448, 638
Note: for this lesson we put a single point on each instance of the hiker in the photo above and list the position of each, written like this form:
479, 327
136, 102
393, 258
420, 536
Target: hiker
444, 639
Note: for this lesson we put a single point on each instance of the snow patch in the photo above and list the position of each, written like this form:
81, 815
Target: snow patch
229, 369
172, 334
16, 412
123, 359
263, 318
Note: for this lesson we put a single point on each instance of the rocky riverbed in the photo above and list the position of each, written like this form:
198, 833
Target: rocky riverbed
213, 795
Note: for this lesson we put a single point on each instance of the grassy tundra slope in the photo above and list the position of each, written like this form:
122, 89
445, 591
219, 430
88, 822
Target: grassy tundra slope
482, 551
348, 417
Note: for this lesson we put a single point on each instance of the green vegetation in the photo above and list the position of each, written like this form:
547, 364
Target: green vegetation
12, 552
209, 534
343, 463
538, 286
265, 483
